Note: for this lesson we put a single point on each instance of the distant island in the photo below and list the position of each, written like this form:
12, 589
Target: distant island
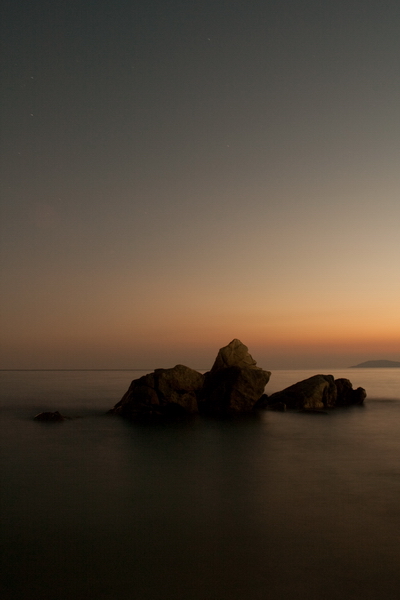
376, 364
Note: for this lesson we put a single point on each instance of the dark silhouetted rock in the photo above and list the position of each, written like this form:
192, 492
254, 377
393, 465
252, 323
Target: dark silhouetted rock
234, 384
235, 354
264, 402
316, 392
346, 396
279, 406
163, 393
50, 417
232, 390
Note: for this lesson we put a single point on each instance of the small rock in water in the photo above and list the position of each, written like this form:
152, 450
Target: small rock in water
50, 417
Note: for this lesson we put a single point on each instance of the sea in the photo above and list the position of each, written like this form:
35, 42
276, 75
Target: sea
272, 506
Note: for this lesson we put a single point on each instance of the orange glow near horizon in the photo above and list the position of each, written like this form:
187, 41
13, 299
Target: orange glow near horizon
163, 343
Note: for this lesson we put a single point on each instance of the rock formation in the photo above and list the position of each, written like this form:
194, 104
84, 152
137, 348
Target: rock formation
315, 393
235, 354
163, 393
346, 396
233, 385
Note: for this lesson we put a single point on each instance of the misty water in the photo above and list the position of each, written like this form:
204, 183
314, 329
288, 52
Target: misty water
284, 505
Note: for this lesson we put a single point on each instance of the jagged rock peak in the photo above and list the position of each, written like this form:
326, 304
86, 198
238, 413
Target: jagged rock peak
235, 354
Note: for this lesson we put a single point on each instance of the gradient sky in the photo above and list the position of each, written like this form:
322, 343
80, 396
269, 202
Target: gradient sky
175, 174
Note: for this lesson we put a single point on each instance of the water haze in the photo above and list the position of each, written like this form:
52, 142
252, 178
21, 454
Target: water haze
283, 505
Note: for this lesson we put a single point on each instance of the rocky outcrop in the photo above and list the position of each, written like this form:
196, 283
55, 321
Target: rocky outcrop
234, 384
235, 354
232, 390
50, 417
315, 394
163, 393
346, 396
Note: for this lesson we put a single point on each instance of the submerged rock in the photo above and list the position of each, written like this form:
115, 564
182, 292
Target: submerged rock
50, 417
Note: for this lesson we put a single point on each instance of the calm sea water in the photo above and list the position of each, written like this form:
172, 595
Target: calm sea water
284, 506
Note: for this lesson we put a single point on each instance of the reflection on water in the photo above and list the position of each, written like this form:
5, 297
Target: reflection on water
282, 506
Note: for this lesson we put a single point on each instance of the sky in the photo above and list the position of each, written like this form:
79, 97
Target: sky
176, 174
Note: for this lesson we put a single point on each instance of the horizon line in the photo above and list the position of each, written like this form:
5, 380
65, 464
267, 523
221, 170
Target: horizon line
153, 369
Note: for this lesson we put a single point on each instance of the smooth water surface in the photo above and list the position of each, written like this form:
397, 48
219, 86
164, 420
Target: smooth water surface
285, 505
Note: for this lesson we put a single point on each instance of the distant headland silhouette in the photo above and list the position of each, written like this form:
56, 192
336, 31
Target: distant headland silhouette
376, 364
